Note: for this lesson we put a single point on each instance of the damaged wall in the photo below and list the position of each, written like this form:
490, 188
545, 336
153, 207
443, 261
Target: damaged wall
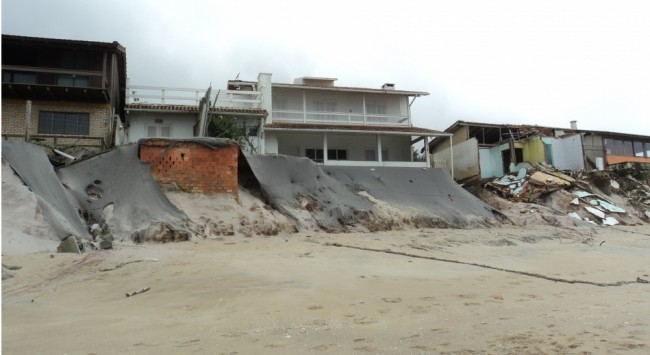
593, 148
567, 153
491, 162
192, 166
466, 159
534, 151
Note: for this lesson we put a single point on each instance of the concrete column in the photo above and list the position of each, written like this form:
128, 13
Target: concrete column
379, 157
426, 151
304, 106
266, 94
324, 148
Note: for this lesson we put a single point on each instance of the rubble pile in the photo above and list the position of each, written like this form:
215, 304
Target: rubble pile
637, 193
593, 197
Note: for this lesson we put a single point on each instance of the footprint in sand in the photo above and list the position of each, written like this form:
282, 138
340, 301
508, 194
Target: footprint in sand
364, 320
392, 300
367, 349
323, 347
313, 308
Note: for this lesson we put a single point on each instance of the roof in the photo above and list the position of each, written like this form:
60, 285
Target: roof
306, 127
64, 42
460, 123
341, 88
195, 109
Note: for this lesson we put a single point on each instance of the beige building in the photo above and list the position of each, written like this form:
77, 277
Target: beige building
62, 93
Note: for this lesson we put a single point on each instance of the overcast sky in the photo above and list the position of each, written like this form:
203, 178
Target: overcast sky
521, 62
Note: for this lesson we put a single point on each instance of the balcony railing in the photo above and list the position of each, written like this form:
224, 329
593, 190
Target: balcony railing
14, 74
186, 96
341, 118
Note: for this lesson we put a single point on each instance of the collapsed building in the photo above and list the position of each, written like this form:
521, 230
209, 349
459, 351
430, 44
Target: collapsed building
485, 150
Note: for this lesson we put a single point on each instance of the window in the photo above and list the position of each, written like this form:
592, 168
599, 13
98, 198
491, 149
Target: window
337, 154
325, 106
158, 131
63, 123
638, 149
384, 155
280, 102
314, 154
620, 147
252, 131
376, 108
370, 155
19, 77
72, 80
165, 131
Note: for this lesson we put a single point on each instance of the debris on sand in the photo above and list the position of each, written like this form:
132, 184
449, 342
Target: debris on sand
143, 290
595, 197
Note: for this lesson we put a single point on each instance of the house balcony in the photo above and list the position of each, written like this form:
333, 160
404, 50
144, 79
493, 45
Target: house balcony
54, 83
192, 97
340, 118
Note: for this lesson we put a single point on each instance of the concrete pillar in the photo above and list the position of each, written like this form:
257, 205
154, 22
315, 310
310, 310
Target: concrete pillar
264, 87
324, 148
379, 157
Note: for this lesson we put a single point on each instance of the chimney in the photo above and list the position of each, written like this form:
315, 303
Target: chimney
574, 124
388, 86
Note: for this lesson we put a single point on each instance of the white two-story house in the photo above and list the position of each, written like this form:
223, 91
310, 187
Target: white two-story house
335, 125
312, 118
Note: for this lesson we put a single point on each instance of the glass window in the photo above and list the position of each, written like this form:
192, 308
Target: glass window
370, 155
609, 145
627, 148
638, 149
337, 154
647, 149
152, 131
24, 78
72, 123
384, 155
166, 131
314, 154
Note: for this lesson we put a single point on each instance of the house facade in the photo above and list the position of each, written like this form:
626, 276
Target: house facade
161, 112
334, 125
310, 118
490, 150
62, 93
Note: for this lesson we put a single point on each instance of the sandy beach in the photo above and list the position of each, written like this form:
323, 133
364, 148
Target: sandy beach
296, 293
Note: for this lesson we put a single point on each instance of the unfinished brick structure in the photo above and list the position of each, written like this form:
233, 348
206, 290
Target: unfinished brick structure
205, 165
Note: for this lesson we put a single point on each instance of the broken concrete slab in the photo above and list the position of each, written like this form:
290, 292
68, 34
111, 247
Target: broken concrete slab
595, 212
610, 207
610, 221
544, 179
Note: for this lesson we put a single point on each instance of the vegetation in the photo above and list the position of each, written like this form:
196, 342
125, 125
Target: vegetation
226, 127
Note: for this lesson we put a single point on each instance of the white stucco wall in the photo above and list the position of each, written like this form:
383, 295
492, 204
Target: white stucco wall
466, 159
182, 124
567, 152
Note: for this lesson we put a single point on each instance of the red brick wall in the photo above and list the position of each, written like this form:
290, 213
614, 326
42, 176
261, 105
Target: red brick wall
192, 166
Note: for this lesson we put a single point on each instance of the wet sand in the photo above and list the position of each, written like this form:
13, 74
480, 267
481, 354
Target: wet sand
295, 293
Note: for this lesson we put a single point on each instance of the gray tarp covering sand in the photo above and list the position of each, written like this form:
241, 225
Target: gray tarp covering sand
294, 185
117, 187
301, 190
422, 193
60, 209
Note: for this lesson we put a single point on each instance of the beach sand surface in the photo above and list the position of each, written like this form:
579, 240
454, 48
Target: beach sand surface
300, 294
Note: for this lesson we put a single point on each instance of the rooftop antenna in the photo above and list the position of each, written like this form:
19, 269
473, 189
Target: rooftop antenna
237, 77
